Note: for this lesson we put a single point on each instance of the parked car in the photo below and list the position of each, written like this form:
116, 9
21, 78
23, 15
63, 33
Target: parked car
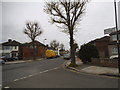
3, 58
7, 58
66, 56
2, 61
18, 58
114, 57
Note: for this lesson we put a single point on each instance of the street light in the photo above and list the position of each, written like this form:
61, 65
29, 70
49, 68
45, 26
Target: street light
44, 41
117, 35
58, 52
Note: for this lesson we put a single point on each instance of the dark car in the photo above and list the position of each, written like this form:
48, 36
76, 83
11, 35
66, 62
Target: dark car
3, 58
7, 58
18, 58
2, 61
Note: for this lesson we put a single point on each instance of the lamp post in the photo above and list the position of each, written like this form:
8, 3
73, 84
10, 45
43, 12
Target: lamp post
58, 52
118, 47
44, 41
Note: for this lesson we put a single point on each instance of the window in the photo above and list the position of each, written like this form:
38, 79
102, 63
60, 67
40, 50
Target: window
114, 37
31, 46
15, 47
114, 50
6, 47
119, 36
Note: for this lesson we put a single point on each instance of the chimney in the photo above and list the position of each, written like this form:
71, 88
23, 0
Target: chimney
9, 40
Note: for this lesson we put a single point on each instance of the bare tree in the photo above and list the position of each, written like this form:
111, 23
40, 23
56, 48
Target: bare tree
67, 15
33, 30
54, 44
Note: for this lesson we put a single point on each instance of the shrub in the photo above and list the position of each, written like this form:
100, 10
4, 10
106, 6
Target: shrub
87, 52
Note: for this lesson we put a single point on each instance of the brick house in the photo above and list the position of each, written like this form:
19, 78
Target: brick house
27, 50
102, 46
11, 48
113, 51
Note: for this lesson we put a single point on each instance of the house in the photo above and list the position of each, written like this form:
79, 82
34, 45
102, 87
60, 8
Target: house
113, 51
11, 48
102, 46
27, 50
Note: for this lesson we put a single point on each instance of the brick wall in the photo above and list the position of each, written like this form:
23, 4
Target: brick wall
27, 52
102, 49
105, 62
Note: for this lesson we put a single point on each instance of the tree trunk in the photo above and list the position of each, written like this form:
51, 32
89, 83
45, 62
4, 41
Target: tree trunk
34, 51
70, 27
72, 49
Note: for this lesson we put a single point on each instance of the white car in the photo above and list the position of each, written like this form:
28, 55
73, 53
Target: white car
66, 56
114, 57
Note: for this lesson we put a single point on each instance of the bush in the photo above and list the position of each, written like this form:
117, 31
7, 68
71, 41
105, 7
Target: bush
87, 52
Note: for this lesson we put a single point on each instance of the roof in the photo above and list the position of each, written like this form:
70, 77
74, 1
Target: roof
103, 39
11, 43
116, 32
37, 43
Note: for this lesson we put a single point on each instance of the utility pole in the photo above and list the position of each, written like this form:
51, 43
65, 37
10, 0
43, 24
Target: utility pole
118, 47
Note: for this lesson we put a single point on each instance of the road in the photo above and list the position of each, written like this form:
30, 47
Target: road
49, 73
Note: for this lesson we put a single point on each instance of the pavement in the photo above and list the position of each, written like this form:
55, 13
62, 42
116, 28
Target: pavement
92, 69
21, 61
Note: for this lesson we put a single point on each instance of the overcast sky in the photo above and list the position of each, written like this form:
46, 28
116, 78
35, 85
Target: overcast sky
98, 16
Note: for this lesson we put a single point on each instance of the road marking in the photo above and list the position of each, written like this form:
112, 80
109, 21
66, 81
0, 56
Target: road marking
56, 68
49, 70
23, 77
36, 74
45, 71
30, 75
16, 80
7, 87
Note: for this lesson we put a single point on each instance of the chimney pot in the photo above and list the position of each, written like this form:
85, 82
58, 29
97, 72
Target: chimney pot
9, 40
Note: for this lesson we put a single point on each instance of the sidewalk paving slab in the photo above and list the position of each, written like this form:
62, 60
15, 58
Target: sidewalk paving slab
92, 69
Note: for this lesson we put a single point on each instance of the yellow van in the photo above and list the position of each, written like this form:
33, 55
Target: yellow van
50, 54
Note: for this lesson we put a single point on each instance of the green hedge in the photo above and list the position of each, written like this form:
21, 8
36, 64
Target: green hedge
88, 51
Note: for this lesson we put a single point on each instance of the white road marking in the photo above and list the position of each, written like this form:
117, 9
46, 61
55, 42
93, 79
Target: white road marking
16, 80
49, 70
36, 74
30, 75
7, 87
56, 68
45, 71
23, 77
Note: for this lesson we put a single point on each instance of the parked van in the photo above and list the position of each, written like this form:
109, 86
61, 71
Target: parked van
50, 54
